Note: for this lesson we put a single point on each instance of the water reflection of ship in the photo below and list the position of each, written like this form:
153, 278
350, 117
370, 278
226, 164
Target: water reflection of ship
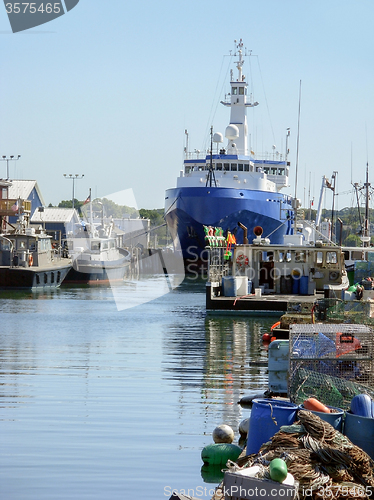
234, 342
216, 360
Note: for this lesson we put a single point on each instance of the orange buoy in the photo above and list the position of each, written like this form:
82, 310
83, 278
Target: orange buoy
266, 337
315, 405
273, 338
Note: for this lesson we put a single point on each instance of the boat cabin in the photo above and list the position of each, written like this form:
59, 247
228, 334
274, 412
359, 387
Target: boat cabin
276, 268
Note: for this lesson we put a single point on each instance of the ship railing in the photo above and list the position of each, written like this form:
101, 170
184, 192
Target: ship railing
263, 156
218, 265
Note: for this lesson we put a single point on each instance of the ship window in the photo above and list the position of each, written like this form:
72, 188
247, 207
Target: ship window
188, 170
241, 90
266, 170
319, 258
37, 279
234, 167
22, 244
45, 278
281, 171
226, 166
234, 90
274, 171
219, 166
356, 255
246, 168
105, 245
95, 245
4, 245
300, 257
58, 276
52, 277
240, 167
284, 256
331, 258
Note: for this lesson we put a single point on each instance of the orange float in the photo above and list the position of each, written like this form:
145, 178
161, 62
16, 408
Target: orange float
313, 404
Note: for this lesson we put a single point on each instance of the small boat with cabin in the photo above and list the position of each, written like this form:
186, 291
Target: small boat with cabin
27, 258
96, 254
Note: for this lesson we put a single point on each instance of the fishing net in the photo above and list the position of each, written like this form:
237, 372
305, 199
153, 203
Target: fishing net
331, 362
324, 463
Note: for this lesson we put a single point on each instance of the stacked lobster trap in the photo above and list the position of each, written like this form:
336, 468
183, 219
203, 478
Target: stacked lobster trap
331, 362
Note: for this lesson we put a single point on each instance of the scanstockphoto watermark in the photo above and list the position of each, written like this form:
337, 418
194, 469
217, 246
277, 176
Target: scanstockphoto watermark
25, 15
235, 491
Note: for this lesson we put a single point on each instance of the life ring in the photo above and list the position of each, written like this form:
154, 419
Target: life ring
242, 261
31, 260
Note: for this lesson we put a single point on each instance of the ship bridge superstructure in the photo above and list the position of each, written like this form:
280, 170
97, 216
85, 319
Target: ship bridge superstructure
236, 165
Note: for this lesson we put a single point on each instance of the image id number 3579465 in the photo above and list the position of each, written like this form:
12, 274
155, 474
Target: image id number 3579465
23, 7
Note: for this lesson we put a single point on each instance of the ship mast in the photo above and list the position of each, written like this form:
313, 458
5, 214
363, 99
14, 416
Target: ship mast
211, 177
366, 238
237, 131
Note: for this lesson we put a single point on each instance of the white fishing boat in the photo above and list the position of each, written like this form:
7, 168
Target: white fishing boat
96, 254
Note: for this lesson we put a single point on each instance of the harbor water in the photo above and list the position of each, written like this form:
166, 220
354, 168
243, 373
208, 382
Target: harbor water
99, 403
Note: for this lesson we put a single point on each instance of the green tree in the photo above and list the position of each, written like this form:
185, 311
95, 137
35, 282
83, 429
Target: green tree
352, 241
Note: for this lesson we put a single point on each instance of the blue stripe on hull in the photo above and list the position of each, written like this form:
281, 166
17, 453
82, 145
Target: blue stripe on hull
188, 209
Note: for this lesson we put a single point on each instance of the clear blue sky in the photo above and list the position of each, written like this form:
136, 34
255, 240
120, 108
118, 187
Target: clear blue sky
108, 89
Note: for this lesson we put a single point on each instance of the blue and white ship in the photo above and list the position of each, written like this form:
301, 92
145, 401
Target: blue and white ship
230, 185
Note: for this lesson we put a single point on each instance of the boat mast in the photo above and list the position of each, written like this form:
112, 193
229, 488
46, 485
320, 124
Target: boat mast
366, 239
355, 185
91, 216
211, 177
237, 131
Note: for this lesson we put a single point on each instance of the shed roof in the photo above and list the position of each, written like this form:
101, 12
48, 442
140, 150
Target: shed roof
53, 214
22, 189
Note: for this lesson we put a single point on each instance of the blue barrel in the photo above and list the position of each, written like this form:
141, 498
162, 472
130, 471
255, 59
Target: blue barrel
304, 285
360, 430
295, 285
267, 417
334, 419
229, 286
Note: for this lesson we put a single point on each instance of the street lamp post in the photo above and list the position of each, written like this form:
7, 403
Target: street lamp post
8, 159
73, 177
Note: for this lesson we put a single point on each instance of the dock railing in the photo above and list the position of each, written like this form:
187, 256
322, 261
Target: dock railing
9, 207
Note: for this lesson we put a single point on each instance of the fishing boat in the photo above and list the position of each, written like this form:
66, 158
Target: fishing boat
231, 184
261, 276
27, 258
96, 254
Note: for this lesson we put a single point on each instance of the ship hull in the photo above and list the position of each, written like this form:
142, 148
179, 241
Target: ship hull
85, 272
32, 278
187, 210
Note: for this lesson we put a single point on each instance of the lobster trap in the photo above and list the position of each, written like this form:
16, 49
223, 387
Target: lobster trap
344, 311
331, 362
